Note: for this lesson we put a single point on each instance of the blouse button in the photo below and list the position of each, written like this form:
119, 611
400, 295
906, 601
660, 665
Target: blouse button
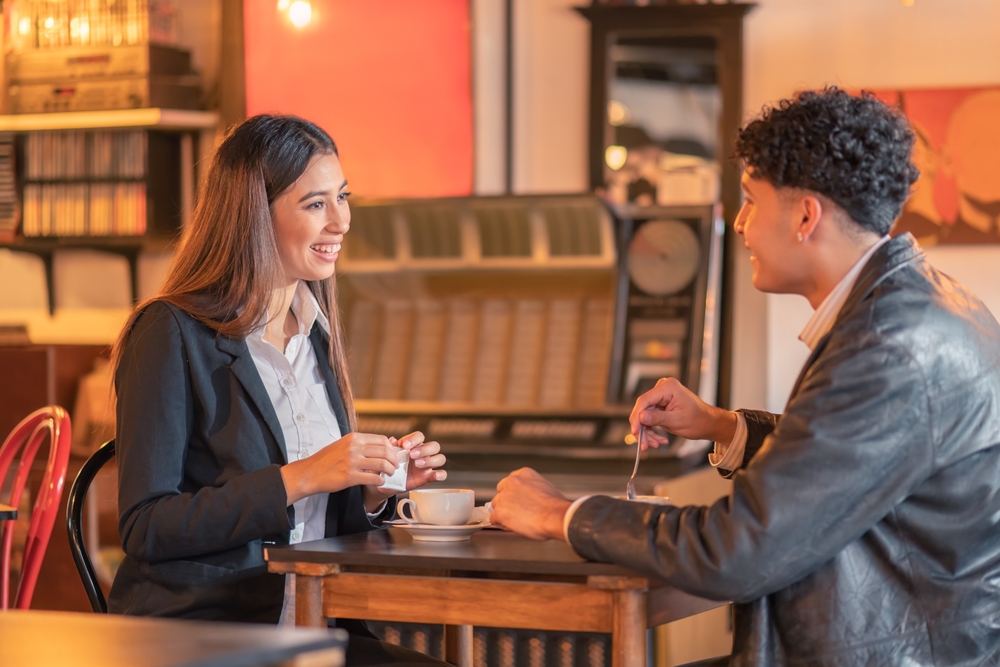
287, 381
300, 417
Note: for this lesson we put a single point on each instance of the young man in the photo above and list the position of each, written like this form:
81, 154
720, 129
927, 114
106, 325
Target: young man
864, 524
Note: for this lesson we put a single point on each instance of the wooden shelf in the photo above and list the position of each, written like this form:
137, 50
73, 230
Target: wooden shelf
111, 241
164, 119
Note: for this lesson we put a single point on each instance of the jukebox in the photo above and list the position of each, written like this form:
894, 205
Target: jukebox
518, 330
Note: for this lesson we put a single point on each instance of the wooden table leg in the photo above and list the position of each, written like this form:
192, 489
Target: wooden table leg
458, 645
309, 601
628, 634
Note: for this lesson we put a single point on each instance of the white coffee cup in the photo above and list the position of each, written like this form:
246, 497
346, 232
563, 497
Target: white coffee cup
439, 507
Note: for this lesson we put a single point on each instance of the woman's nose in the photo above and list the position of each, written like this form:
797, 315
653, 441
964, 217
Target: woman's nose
339, 220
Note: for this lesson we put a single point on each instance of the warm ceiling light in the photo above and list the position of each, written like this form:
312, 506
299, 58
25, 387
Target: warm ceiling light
618, 113
616, 156
300, 13
283, 5
24, 26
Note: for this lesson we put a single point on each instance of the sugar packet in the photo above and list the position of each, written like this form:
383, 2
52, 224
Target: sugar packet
397, 480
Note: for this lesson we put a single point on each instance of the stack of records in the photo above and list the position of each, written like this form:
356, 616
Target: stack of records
84, 184
8, 194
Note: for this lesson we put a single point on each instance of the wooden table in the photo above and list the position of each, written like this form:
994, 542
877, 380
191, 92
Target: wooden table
7, 512
55, 639
496, 579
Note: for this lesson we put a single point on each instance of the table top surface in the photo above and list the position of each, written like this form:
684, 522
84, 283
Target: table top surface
7, 512
83, 640
486, 551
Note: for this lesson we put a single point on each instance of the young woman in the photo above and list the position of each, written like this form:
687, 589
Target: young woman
236, 424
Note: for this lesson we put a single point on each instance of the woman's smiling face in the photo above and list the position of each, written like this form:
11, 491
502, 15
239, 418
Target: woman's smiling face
310, 220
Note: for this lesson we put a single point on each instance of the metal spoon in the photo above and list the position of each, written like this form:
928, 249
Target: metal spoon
630, 487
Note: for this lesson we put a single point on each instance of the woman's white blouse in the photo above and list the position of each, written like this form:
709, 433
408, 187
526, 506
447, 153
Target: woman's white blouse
297, 391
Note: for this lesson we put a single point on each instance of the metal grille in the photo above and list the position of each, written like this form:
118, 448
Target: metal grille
459, 350
434, 232
574, 231
504, 232
501, 647
371, 234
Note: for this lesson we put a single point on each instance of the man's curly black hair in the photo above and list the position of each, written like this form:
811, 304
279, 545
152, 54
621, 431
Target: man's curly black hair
854, 150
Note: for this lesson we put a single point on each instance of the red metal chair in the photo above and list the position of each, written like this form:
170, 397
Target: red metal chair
26, 438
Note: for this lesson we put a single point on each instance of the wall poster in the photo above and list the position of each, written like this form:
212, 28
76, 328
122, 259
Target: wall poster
957, 199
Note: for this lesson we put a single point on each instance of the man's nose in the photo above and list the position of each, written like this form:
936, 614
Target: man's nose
739, 222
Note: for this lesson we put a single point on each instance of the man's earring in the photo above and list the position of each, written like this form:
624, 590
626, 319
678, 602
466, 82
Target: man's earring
800, 237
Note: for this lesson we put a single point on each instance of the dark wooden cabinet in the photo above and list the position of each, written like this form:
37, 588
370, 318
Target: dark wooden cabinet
680, 25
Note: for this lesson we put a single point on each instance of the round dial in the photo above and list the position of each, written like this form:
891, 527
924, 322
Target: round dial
663, 257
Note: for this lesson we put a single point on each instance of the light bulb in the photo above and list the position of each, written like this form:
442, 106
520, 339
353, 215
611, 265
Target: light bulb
618, 113
615, 156
24, 25
300, 13
49, 22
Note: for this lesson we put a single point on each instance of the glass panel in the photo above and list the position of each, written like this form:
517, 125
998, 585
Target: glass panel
664, 106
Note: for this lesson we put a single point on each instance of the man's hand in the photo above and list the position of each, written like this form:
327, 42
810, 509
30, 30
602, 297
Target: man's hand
528, 504
673, 407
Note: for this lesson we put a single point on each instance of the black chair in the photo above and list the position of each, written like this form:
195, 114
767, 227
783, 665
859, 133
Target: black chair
74, 524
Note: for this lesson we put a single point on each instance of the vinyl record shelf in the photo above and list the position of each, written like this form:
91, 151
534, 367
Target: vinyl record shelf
192, 135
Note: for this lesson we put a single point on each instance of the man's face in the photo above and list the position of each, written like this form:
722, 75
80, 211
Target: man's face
768, 226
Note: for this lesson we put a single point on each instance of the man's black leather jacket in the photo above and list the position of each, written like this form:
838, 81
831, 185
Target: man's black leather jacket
864, 527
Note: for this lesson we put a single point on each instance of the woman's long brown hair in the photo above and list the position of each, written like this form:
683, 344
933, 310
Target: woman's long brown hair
226, 265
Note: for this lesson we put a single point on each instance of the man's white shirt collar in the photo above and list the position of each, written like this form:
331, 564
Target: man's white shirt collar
822, 320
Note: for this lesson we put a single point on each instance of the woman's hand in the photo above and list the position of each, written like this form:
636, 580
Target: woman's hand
357, 459
425, 459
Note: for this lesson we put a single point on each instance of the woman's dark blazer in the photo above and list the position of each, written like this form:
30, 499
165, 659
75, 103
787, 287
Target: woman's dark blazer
200, 491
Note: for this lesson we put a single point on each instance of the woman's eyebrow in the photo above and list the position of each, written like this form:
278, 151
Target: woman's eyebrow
314, 193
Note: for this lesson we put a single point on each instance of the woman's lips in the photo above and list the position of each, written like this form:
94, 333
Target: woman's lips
326, 250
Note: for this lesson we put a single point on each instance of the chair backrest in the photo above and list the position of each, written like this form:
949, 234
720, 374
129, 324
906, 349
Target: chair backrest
74, 524
26, 438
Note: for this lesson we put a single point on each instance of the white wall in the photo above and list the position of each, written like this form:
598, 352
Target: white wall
551, 81
489, 102
796, 44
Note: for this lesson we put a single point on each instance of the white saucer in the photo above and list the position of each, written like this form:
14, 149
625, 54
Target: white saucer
425, 532
654, 500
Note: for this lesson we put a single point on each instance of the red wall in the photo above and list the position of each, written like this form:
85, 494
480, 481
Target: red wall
390, 81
